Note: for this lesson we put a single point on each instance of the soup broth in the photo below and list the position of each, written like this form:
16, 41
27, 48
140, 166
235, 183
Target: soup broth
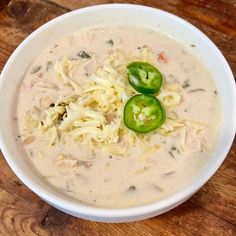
70, 117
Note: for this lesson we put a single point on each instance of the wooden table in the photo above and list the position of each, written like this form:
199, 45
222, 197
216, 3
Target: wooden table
211, 211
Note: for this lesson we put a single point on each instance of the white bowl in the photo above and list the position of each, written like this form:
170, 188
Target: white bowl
124, 15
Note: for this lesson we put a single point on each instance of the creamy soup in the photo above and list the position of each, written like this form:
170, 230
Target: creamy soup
70, 117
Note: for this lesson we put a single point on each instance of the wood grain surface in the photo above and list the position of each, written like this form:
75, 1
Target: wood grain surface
211, 211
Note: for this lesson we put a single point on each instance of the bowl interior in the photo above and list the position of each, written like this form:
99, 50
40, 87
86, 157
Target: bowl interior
117, 14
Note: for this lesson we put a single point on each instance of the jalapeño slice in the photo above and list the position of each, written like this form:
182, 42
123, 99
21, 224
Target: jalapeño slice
144, 77
143, 113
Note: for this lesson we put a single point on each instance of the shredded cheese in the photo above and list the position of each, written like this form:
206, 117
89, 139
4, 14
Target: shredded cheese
93, 114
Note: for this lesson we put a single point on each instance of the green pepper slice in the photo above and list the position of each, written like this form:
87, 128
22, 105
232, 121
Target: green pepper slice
144, 77
143, 113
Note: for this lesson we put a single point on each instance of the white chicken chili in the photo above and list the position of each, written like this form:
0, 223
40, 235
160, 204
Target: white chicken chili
70, 116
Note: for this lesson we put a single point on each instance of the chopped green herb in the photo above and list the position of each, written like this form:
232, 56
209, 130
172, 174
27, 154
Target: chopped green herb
157, 188
132, 188
49, 65
193, 45
196, 90
169, 173
31, 152
186, 84
111, 42
35, 69
83, 55
171, 154
173, 148
215, 92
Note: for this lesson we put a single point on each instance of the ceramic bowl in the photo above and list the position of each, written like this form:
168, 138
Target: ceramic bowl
114, 14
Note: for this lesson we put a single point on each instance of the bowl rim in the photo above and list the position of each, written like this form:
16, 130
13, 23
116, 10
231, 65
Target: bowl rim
129, 211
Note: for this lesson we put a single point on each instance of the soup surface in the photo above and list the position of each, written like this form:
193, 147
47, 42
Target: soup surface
70, 117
